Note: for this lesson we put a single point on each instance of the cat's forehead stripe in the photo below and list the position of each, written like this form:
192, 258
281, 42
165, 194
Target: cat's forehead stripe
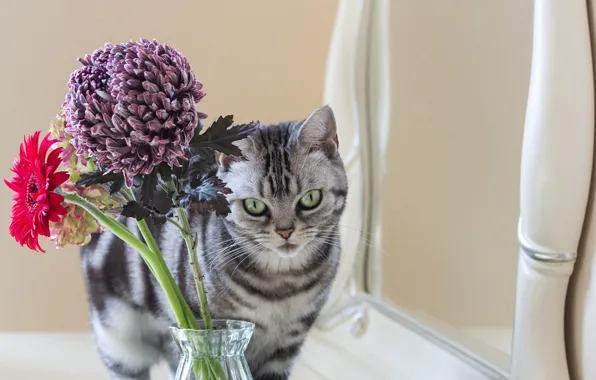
278, 172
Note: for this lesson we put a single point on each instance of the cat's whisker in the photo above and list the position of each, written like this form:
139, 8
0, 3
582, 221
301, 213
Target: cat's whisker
233, 256
249, 253
239, 252
240, 240
210, 255
257, 260
366, 242
356, 229
241, 261
331, 230
217, 252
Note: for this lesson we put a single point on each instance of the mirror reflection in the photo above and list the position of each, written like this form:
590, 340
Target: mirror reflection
451, 191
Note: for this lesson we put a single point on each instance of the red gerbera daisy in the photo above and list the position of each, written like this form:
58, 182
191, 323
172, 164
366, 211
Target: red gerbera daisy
35, 178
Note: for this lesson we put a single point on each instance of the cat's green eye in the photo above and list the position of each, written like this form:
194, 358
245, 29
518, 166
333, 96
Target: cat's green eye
310, 200
254, 207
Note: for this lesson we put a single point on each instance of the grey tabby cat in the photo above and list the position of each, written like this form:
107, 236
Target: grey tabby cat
270, 261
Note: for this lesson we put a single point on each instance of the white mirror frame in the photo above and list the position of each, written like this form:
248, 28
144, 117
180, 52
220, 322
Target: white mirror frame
357, 88
556, 172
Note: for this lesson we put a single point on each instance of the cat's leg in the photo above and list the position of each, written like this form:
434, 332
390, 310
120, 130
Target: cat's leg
171, 356
272, 376
278, 365
126, 341
171, 368
120, 371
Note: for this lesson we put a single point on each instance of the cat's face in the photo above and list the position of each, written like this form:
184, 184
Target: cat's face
289, 190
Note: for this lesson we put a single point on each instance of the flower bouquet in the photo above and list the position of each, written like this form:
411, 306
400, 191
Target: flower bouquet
127, 127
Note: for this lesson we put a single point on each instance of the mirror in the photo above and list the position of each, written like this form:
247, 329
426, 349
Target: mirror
459, 83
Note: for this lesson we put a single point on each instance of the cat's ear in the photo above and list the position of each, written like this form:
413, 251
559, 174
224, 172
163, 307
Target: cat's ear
224, 160
319, 131
246, 146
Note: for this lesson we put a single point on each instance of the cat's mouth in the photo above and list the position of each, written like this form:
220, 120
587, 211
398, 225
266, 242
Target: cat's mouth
288, 249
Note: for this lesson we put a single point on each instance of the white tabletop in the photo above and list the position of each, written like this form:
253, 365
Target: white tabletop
388, 351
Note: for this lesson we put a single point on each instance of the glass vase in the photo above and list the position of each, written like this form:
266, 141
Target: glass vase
214, 355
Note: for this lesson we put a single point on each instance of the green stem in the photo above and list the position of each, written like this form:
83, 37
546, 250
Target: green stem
159, 270
148, 236
127, 194
150, 240
176, 224
191, 245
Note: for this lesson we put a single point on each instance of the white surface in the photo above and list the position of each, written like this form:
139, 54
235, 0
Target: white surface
556, 171
67, 356
388, 351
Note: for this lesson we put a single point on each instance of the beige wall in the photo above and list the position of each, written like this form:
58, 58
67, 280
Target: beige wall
259, 60
460, 79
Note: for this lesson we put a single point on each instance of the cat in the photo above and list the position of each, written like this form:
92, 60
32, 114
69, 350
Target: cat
271, 261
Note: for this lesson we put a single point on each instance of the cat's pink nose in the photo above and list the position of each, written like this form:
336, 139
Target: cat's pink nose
285, 233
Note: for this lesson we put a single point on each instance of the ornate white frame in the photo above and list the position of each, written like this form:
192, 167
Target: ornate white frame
557, 161
357, 87
556, 174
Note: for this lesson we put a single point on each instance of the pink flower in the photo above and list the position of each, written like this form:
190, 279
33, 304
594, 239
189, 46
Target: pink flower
34, 180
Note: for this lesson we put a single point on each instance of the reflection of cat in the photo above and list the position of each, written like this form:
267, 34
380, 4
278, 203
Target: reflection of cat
271, 261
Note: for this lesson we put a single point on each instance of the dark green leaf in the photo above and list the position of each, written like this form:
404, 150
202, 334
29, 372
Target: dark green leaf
165, 172
208, 196
202, 150
147, 185
219, 205
158, 219
116, 185
180, 171
98, 177
221, 135
201, 166
135, 210
168, 182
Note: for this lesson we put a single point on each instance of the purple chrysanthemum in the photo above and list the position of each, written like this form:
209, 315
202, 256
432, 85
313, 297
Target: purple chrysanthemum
132, 107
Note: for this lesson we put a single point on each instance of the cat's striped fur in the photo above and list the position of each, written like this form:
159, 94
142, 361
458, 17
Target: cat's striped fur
251, 272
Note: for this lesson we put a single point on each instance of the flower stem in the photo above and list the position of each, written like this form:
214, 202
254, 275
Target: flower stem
152, 244
171, 220
148, 236
160, 271
191, 245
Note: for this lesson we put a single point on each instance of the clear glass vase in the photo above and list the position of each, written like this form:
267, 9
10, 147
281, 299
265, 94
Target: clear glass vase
216, 354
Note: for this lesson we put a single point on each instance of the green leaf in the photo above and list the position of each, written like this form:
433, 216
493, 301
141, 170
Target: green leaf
134, 209
116, 185
165, 172
99, 177
221, 136
168, 181
200, 167
146, 184
208, 196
